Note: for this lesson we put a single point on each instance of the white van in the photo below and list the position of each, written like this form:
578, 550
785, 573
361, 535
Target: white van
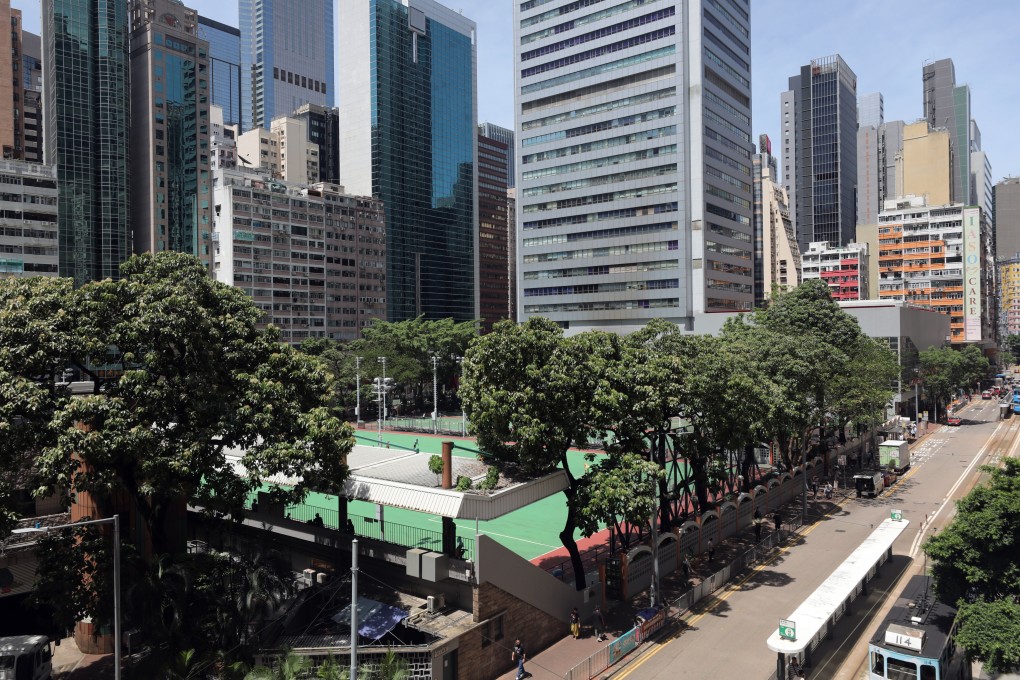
25, 657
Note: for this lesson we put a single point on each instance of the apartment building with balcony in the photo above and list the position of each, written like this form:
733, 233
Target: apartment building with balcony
939, 257
843, 268
1009, 295
312, 257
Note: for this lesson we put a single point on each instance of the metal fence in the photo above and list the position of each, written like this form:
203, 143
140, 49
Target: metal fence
370, 527
453, 425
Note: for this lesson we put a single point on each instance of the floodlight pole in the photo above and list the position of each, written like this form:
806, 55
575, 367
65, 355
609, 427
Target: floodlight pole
357, 390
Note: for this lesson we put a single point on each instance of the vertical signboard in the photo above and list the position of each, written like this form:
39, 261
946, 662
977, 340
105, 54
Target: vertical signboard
972, 274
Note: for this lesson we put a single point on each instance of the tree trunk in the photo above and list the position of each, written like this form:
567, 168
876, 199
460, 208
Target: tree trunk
747, 464
567, 538
700, 471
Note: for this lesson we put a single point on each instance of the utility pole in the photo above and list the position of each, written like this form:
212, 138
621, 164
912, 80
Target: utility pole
382, 360
357, 390
354, 609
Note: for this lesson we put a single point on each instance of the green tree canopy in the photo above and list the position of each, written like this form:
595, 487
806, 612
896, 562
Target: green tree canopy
976, 565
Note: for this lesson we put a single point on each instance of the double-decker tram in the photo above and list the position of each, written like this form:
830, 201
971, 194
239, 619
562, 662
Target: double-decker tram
916, 641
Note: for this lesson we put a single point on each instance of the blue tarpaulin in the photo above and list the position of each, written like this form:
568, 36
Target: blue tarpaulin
375, 619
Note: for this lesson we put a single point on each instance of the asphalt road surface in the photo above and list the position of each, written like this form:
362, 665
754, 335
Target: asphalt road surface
725, 638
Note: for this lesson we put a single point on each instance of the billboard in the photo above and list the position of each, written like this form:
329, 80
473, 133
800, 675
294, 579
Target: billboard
972, 275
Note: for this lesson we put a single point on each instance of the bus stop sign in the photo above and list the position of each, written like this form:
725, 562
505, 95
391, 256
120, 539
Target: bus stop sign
896, 515
787, 629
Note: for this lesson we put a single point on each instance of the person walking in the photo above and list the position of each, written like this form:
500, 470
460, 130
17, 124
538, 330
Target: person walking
828, 490
415, 447
757, 526
778, 519
687, 566
575, 624
711, 550
599, 623
518, 655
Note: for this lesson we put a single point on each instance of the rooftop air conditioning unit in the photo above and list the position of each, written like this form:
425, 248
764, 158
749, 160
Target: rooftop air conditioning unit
436, 603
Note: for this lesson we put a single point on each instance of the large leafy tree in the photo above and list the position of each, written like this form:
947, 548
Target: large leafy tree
532, 393
193, 376
37, 330
976, 565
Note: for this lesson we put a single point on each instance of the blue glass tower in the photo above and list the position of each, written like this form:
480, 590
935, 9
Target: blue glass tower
224, 67
287, 56
407, 135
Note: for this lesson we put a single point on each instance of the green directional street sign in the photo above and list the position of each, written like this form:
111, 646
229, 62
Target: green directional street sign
787, 629
896, 515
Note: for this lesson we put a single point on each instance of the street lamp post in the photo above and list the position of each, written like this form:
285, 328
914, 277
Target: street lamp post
382, 398
435, 395
357, 390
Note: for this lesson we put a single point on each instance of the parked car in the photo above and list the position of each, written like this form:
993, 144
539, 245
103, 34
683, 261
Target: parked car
953, 420
25, 656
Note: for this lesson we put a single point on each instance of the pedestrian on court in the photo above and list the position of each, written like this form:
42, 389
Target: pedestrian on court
518, 655
711, 550
599, 622
415, 446
575, 624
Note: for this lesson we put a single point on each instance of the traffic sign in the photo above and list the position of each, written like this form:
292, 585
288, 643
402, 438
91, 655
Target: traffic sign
896, 515
787, 629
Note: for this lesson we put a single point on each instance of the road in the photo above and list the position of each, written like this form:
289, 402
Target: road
726, 638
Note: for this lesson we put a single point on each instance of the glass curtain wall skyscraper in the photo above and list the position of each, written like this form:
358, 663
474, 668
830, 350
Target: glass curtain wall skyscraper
947, 107
819, 114
224, 67
408, 136
633, 160
85, 76
287, 56
170, 181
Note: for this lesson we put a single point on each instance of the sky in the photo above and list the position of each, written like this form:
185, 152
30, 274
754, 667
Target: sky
885, 42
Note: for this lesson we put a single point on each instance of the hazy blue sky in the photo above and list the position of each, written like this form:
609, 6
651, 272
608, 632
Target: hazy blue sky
885, 42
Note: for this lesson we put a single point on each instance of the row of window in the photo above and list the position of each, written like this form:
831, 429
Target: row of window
598, 108
585, 20
601, 270
624, 121
301, 81
723, 249
603, 161
600, 69
727, 196
597, 34
600, 305
600, 51
608, 197
584, 183
602, 234
593, 288
559, 11
583, 218
731, 286
732, 72
600, 88
609, 251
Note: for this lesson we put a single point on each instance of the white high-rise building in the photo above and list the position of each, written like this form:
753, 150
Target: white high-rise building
633, 148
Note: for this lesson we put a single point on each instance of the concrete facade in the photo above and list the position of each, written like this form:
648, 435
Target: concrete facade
777, 255
634, 161
870, 110
311, 256
878, 148
939, 257
925, 166
947, 107
843, 268
31, 95
11, 119
28, 219
1007, 217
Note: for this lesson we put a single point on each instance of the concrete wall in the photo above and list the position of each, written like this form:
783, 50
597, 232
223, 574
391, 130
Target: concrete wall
926, 167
